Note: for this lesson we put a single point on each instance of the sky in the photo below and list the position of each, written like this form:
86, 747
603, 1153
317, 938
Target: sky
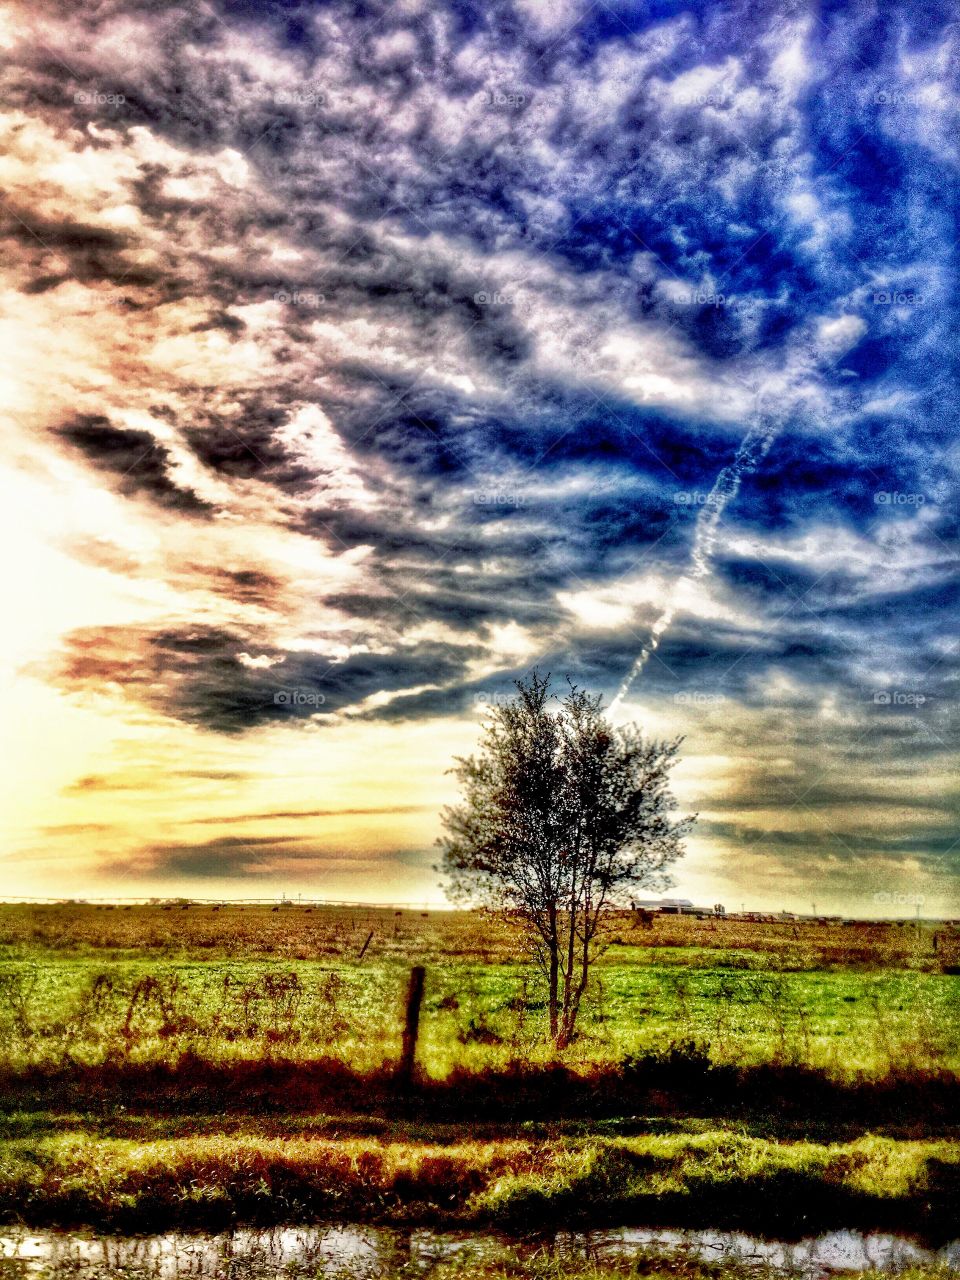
361, 357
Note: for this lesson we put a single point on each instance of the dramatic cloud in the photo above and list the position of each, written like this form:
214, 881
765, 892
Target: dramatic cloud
360, 359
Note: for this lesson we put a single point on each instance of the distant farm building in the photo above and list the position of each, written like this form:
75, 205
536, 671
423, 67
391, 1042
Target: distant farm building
675, 907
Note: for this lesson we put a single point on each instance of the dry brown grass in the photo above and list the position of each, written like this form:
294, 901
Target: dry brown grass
204, 931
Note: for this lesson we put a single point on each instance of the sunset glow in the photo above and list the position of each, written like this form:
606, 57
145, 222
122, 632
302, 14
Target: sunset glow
360, 359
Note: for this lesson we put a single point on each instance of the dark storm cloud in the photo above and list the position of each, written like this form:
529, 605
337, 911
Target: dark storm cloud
755, 792
248, 586
245, 447
146, 781
200, 675
140, 465
94, 253
529, 270
228, 857
412, 603
933, 844
286, 814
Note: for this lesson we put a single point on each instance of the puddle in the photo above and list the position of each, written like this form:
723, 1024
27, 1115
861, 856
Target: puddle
372, 1253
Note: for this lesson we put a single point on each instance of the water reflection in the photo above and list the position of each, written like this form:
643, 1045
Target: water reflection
370, 1253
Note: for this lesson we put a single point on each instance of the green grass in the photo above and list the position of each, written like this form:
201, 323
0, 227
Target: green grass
858, 998
257, 1172
57, 1008
837, 1049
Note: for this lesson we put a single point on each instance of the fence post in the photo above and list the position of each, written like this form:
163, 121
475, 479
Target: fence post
363, 949
411, 1022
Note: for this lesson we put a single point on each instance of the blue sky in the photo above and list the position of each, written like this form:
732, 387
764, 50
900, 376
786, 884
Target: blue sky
376, 353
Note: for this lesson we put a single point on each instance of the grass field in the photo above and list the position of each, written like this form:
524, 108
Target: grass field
145, 984
203, 1066
293, 932
128, 1174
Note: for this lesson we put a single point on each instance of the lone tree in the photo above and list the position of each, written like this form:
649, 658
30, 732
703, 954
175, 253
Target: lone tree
563, 816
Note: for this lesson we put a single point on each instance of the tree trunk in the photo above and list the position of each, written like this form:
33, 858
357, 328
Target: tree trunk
554, 991
568, 964
553, 973
572, 1009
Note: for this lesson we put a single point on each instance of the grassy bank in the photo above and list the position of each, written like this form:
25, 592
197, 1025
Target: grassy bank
67, 1008
680, 1081
200, 1067
73, 1173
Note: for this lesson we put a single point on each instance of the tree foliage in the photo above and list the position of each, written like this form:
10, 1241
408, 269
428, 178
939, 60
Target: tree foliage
563, 818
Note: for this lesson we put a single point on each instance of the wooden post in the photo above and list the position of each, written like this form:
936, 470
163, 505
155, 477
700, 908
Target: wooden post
363, 949
411, 1022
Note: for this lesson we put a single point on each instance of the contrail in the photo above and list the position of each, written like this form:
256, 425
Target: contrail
751, 452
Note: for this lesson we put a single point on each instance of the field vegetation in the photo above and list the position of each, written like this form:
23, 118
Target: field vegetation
130, 1172
204, 1066
87, 985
